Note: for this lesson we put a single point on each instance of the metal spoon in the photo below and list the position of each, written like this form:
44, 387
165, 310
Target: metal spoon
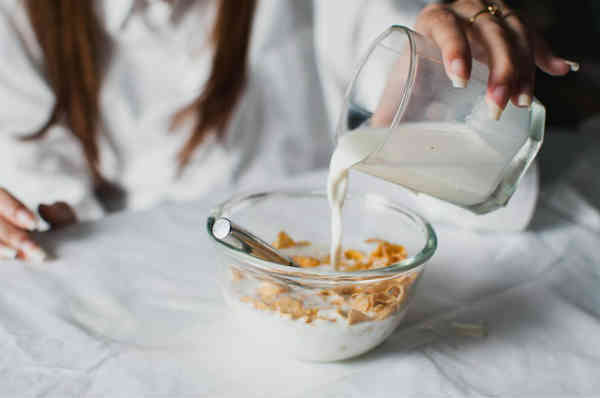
225, 230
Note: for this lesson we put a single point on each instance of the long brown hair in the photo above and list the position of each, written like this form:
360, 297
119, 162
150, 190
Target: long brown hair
74, 48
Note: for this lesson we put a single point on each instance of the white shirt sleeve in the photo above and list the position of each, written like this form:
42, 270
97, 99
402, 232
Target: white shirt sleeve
26, 98
26, 102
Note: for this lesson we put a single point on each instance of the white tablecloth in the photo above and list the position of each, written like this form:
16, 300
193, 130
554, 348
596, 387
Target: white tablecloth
130, 308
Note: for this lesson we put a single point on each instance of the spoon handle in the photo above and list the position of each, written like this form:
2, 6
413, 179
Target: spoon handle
225, 230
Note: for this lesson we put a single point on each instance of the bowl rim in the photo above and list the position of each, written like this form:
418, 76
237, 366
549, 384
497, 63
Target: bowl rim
394, 270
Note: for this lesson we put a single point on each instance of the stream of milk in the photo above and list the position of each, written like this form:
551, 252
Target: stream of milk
351, 149
450, 161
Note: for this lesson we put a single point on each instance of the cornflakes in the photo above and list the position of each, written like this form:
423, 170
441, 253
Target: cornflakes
236, 274
361, 302
285, 241
355, 255
355, 316
355, 303
306, 261
269, 290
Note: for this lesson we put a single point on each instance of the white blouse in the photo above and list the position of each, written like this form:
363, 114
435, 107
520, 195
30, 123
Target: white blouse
301, 56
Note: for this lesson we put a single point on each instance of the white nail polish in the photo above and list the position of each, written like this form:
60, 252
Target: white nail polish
457, 81
524, 100
33, 253
457, 67
7, 253
493, 109
25, 219
573, 65
42, 225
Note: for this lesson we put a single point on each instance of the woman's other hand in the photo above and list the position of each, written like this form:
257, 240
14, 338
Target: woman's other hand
17, 221
502, 40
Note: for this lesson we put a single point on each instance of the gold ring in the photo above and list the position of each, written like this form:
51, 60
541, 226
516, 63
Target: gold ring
493, 9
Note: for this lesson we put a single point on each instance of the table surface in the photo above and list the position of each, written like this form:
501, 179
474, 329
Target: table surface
130, 308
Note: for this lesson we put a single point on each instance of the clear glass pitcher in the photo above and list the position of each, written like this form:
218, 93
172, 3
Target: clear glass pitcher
434, 138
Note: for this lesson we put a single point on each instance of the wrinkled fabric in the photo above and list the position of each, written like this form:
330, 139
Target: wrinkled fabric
130, 307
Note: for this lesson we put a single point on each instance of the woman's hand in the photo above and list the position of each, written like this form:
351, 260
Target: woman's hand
510, 48
16, 221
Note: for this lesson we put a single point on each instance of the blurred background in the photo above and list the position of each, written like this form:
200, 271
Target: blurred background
573, 101
573, 29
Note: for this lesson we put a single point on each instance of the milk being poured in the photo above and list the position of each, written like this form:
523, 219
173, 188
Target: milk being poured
450, 161
351, 149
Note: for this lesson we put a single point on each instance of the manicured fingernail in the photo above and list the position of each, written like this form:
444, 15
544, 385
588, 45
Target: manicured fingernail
42, 225
26, 220
457, 68
458, 82
573, 65
33, 253
7, 253
524, 100
498, 94
494, 110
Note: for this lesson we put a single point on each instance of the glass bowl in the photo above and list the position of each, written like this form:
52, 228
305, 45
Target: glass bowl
314, 313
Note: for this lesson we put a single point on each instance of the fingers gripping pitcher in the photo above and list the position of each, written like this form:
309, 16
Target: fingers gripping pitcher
404, 122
